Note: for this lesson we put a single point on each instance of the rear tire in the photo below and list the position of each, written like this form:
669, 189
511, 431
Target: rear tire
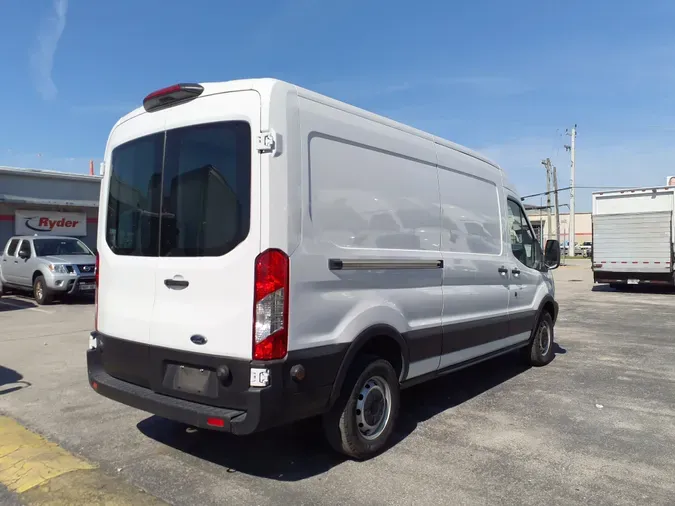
41, 293
539, 351
362, 419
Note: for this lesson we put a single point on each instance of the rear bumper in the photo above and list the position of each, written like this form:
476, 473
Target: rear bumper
602, 276
239, 408
145, 399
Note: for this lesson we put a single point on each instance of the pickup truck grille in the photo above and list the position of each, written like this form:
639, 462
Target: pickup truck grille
87, 269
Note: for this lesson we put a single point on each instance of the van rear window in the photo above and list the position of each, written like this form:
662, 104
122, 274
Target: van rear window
183, 192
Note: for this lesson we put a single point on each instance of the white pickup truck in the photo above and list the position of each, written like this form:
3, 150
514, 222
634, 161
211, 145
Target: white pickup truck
633, 236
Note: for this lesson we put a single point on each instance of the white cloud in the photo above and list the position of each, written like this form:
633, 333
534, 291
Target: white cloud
42, 59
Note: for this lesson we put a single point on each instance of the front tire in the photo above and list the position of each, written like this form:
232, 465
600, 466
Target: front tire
41, 293
539, 351
362, 419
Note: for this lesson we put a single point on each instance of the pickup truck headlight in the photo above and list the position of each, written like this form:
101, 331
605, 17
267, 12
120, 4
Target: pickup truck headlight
60, 268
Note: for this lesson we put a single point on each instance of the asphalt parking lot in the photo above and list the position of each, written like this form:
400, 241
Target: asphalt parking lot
595, 426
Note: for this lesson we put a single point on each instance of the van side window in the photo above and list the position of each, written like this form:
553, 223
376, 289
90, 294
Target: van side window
11, 248
524, 244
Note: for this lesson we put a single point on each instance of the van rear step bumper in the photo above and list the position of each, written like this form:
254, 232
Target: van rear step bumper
140, 375
190, 413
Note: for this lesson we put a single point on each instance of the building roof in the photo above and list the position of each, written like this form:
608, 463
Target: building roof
18, 199
42, 173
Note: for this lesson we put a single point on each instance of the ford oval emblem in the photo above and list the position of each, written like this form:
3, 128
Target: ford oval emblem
197, 339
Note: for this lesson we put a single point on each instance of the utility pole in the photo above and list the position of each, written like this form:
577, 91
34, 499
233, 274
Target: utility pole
570, 148
557, 206
547, 163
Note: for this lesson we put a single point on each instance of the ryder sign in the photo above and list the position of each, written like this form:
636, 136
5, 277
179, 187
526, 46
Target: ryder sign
50, 223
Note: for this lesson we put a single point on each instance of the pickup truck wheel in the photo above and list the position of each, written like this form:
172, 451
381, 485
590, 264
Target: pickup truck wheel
362, 419
539, 351
41, 293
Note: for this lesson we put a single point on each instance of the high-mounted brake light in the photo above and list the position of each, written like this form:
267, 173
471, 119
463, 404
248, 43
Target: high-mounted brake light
96, 269
172, 95
270, 305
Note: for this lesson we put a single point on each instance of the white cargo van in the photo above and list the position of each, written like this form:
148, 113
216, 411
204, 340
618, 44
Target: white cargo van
268, 254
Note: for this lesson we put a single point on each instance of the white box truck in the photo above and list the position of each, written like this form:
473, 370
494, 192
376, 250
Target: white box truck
633, 236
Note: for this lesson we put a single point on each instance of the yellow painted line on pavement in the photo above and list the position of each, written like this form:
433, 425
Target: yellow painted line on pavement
28, 460
43, 473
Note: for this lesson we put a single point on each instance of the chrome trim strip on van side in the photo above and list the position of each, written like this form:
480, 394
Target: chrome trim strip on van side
336, 264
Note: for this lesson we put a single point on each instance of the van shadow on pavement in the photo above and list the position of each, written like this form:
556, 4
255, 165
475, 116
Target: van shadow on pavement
298, 451
11, 377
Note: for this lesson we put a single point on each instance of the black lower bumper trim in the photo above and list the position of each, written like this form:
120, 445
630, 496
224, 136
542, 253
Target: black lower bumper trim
187, 412
142, 376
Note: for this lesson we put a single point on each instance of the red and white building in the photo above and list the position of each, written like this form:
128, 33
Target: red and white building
47, 202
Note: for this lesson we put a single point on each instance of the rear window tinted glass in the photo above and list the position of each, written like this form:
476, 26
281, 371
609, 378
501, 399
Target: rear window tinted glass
11, 248
207, 189
185, 192
132, 225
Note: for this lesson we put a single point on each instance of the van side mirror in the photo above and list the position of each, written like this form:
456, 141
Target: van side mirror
552, 254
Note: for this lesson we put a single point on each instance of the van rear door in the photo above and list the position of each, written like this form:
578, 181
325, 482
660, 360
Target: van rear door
128, 228
210, 226
182, 226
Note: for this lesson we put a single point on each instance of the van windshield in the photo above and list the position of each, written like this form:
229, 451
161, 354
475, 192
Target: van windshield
183, 192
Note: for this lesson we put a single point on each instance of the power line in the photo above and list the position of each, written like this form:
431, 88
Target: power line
577, 186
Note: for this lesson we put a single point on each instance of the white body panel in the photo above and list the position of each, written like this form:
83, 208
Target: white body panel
633, 230
344, 185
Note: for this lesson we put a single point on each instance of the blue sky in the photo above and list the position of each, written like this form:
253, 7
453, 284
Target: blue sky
505, 78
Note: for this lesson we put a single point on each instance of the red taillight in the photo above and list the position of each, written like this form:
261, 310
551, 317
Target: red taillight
96, 292
270, 306
171, 95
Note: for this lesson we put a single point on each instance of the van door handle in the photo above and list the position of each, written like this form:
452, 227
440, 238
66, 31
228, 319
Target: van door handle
177, 284
503, 270
515, 271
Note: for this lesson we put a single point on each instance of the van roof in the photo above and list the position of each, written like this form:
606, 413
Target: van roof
265, 86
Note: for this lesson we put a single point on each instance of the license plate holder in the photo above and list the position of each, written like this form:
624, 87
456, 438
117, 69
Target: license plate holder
87, 286
191, 380
633, 281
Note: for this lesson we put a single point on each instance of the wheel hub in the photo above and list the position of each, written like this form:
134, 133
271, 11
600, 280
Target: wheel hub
373, 407
544, 338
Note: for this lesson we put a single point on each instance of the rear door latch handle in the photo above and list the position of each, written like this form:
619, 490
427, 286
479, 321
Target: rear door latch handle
516, 271
503, 270
176, 284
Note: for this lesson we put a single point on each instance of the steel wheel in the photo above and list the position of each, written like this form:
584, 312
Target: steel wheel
373, 407
544, 337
